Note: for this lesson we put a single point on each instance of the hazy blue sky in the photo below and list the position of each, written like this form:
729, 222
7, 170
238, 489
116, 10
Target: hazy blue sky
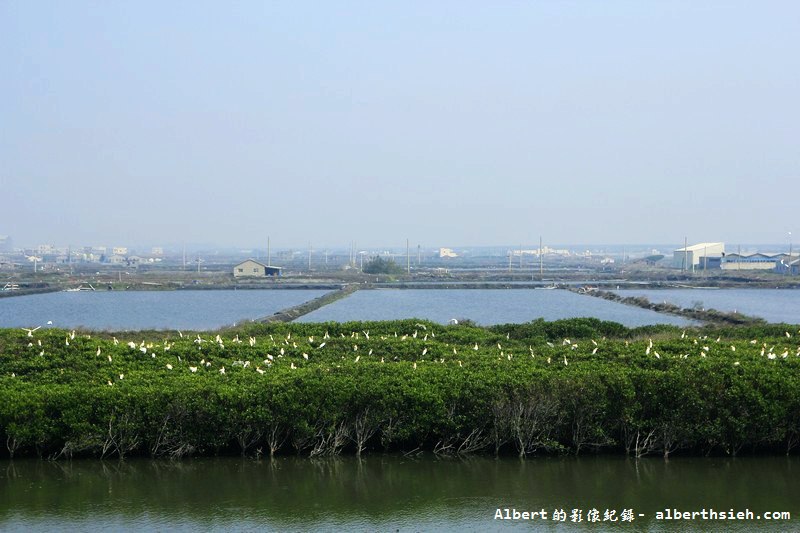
451, 123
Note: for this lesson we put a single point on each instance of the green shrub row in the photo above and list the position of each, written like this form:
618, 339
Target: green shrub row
566, 387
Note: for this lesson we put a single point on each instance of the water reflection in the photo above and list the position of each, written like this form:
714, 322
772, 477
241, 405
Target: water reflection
379, 492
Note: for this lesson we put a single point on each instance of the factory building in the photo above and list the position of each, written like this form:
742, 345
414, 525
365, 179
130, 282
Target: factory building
754, 261
690, 257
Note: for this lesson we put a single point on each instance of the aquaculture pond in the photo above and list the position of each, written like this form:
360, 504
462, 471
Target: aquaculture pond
137, 310
773, 305
484, 306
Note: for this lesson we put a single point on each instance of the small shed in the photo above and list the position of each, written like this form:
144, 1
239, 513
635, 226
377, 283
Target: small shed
255, 269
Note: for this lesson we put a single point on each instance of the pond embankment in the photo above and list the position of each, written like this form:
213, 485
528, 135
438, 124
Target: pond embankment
294, 312
710, 316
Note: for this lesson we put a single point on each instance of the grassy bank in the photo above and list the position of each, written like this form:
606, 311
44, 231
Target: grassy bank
572, 386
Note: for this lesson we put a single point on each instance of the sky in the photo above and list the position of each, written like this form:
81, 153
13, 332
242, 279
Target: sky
447, 123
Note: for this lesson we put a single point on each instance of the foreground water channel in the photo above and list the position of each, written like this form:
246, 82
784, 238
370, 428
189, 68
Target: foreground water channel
382, 493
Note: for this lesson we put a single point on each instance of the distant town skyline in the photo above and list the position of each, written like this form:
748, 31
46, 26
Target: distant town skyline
456, 123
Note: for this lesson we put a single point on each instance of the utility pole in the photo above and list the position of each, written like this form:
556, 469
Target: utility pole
198, 263
541, 263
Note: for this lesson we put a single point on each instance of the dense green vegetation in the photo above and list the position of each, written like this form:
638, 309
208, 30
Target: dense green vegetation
379, 265
569, 386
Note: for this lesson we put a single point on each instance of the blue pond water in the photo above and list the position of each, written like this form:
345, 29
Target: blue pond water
135, 310
484, 306
773, 305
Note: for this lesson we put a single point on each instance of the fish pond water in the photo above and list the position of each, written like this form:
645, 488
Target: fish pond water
137, 310
484, 306
773, 305
209, 309
395, 493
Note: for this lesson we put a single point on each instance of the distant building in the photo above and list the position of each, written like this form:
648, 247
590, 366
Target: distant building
254, 269
753, 261
120, 250
157, 250
447, 252
6, 244
787, 265
689, 258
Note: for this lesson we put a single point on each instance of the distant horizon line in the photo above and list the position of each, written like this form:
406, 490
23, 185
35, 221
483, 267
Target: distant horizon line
208, 246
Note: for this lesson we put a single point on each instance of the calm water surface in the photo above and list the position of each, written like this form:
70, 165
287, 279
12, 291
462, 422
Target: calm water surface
383, 493
134, 310
773, 305
484, 306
